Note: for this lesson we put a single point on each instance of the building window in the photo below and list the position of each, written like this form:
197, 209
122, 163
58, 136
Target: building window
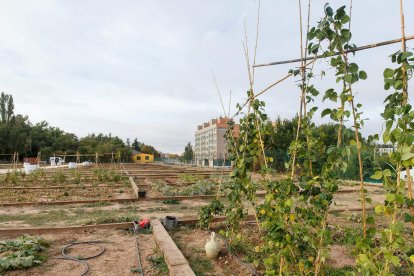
138, 157
147, 157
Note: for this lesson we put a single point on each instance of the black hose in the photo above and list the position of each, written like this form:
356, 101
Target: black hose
68, 257
64, 253
139, 255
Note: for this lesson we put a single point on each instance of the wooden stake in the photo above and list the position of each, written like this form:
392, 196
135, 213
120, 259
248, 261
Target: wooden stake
405, 101
361, 48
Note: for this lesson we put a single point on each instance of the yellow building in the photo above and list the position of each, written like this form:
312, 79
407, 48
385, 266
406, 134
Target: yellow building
141, 158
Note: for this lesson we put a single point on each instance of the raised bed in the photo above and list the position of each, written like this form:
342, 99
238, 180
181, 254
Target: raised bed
119, 258
65, 194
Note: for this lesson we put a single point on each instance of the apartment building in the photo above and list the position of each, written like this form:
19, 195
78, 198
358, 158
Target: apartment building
210, 143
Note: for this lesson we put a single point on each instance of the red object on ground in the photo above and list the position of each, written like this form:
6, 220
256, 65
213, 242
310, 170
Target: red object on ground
144, 223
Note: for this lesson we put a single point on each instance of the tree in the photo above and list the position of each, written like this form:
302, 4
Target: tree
278, 142
188, 153
14, 129
17, 134
136, 145
148, 149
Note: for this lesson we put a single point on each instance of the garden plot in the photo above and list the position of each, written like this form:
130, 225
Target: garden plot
156, 171
64, 194
163, 181
64, 185
352, 199
94, 213
191, 242
161, 187
119, 258
242, 257
59, 177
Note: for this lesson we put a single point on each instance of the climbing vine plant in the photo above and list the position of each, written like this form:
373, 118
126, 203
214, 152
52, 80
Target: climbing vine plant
293, 217
332, 33
247, 150
389, 253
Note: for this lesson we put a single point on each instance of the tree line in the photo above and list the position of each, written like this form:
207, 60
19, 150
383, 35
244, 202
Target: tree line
283, 132
19, 134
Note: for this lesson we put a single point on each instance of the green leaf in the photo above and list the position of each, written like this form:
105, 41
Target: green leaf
388, 73
390, 197
363, 75
386, 136
348, 78
398, 84
406, 156
346, 34
386, 172
379, 209
377, 175
387, 85
403, 56
370, 220
399, 198
395, 260
353, 68
345, 19
328, 10
326, 112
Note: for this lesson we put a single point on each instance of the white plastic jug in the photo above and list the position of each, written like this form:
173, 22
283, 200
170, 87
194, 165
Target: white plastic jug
28, 169
212, 247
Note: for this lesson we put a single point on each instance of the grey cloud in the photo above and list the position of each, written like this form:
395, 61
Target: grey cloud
143, 68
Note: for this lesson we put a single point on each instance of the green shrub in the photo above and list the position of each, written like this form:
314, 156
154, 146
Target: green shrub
200, 188
59, 177
206, 213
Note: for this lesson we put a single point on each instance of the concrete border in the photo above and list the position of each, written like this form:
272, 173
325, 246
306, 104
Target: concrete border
44, 230
68, 202
134, 186
190, 220
131, 199
80, 186
176, 262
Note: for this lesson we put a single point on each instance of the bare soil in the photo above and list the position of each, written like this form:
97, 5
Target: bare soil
191, 243
119, 258
339, 257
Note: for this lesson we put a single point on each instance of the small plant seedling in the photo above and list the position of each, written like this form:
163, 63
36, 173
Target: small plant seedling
135, 270
171, 201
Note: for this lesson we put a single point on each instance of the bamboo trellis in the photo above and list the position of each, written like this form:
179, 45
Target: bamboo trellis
302, 69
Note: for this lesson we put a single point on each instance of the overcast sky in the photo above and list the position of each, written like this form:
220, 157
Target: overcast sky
143, 68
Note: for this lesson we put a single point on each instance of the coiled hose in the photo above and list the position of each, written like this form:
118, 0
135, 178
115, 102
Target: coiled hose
67, 257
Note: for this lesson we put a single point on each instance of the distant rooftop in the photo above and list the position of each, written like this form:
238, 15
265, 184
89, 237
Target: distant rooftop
220, 122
